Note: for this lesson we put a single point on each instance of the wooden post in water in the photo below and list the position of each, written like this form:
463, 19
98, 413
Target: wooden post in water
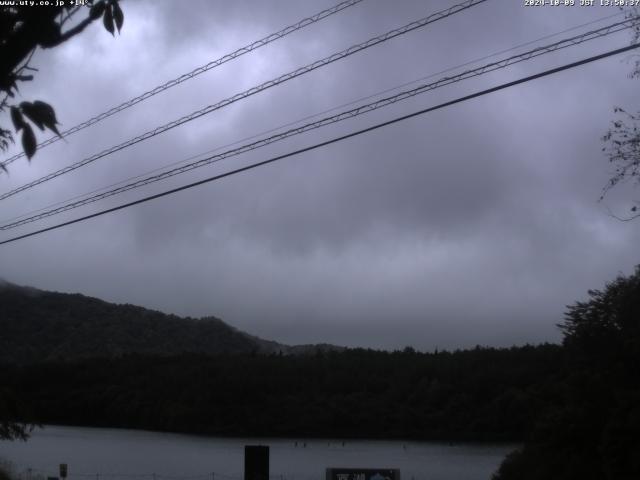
256, 462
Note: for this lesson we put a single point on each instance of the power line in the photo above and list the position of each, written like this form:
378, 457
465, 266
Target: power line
254, 90
197, 71
614, 28
576, 40
331, 141
300, 120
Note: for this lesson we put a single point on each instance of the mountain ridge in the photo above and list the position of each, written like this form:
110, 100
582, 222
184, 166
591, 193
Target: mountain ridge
39, 325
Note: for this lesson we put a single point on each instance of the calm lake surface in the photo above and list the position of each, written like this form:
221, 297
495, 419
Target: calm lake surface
111, 454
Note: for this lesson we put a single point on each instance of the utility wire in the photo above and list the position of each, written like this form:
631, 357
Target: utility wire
331, 141
254, 90
197, 71
576, 40
309, 117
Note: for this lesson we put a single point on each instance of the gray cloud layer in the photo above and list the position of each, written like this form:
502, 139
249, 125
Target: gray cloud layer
474, 224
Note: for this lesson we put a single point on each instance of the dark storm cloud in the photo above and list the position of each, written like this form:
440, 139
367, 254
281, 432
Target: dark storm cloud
473, 224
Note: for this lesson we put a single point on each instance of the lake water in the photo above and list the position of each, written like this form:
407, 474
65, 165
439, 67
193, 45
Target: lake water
111, 454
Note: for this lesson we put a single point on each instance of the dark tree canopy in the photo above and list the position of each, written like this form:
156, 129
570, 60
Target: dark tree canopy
24, 28
608, 321
10, 409
593, 430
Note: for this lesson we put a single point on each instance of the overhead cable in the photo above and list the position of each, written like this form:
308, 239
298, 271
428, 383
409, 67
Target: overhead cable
254, 90
329, 142
381, 103
305, 22
308, 117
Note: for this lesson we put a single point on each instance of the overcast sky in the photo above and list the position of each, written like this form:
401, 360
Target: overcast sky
476, 224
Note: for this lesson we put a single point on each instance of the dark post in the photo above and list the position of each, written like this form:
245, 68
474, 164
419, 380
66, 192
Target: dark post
256, 462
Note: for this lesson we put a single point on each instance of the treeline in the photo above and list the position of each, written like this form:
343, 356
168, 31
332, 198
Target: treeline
575, 406
479, 394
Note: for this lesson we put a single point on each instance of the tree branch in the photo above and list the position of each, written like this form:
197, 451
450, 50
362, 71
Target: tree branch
71, 33
622, 219
70, 13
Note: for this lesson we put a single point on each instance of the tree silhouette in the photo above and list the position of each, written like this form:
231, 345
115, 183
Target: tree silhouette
24, 28
608, 322
10, 409
593, 429
623, 151
622, 141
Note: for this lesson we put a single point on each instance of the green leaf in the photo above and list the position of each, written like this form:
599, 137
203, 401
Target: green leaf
118, 16
16, 118
42, 114
32, 114
107, 20
96, 10
47, 115
28, 141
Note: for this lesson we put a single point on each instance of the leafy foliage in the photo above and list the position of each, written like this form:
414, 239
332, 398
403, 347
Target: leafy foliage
608, 323
633, 13
593, 431
24, 28
622, 140
623, 151
40, 114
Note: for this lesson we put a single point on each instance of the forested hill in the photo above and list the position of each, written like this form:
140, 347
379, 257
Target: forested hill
576, 405
37, 326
